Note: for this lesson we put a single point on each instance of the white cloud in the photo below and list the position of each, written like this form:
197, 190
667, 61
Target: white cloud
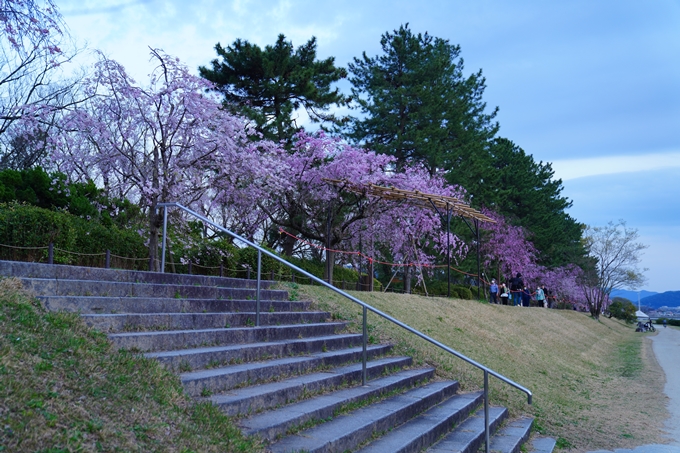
607, 165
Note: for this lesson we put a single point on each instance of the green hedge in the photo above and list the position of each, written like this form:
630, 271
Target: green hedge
247, 257
463, 292
51, 191
24, 226
317, 268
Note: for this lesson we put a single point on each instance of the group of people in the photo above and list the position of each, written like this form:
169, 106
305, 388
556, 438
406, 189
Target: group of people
520, 294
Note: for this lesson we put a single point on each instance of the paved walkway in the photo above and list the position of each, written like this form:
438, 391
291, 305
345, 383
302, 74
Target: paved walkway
666, 346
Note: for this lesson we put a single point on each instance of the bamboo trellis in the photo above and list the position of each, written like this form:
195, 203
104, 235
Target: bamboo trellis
450, 205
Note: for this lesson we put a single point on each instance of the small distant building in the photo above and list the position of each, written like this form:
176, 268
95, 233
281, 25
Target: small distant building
641, 316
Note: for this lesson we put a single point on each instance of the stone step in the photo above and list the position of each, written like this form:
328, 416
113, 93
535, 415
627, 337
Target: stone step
216, 380
249, 400
181, 339
293, 370
511, 436
51, 287
127, 322
542, 445
21, 269
193, 359
469, 435
423, 431
275, 423
91, 304
348, 431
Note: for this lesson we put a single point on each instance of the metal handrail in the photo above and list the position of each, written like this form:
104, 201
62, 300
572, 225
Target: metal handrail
366, 307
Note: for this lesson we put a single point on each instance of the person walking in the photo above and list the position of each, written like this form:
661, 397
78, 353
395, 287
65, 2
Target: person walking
540, 297
548, 297
493, 291
526, 297
516, 285
505, 293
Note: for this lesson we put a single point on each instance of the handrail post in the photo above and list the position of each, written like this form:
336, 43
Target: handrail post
363, 358
259, 279
486, 410
165, 235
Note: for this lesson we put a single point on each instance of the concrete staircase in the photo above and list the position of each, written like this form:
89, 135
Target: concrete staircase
294, 381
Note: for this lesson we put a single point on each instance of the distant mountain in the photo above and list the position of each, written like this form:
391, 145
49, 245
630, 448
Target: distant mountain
632, 295
667, 299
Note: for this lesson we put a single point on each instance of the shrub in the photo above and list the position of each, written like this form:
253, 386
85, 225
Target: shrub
623, 309
341, 273
24, 225
51, 191
29, 226
95, 238
439, 288
247, 256
314, 267
463, 292
207, 255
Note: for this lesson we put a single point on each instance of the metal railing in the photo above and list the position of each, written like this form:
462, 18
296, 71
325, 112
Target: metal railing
364, 305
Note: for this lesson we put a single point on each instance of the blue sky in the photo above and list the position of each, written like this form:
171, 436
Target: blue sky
591, 86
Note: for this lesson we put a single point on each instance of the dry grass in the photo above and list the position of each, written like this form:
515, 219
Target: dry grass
596, 385
64, 389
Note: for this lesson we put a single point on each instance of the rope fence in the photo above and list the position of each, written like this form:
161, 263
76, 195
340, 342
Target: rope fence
50, 254
53, 255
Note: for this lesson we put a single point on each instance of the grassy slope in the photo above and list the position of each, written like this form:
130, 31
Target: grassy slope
595, 384
64, 389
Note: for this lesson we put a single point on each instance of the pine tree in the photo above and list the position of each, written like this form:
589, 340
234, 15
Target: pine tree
525, 191
268, 85
417, 105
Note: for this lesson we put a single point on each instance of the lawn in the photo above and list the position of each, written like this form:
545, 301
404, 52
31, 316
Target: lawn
596, 384
63, 388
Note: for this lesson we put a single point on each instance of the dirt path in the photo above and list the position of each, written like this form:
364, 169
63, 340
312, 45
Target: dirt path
666, 346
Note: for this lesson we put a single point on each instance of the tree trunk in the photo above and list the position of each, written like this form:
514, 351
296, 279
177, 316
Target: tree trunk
407, 279
287, 245
330, 262
595, 313
596, 308
154, 226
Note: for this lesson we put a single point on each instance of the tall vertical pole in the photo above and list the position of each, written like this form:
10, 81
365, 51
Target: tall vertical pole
365, 342
448, 249
329, 264
361, 237
486, 411
479, 264
259, 280
165, 235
